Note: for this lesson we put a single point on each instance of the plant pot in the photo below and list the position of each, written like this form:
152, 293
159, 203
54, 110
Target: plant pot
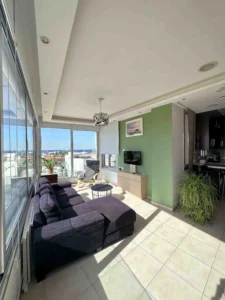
50, 171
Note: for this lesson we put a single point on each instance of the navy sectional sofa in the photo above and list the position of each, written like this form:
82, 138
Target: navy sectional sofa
66, 227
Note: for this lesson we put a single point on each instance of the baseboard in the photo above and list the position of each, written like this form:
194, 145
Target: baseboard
162, 206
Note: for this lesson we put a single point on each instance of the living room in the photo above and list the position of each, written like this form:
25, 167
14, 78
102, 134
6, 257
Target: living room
112, 150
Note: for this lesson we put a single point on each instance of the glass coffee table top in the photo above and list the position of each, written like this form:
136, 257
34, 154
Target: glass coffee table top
101, 187
101, 190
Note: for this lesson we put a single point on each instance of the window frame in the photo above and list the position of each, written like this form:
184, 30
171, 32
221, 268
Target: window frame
109, 165
6, 253
72, 128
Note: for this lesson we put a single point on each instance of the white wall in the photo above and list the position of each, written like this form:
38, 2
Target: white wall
109, 176
109, 144
109, 139
178, 150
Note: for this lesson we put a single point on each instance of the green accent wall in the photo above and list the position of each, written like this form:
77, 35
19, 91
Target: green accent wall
156, 147
137, 143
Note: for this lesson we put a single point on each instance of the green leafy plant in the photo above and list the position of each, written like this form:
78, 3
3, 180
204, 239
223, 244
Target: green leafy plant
49, 164
198, 197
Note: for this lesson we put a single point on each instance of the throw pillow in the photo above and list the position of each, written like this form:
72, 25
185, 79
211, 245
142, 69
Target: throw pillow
50, 208
43, 180
46, 189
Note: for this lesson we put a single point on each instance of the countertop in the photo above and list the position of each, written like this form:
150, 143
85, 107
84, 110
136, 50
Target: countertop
213, 165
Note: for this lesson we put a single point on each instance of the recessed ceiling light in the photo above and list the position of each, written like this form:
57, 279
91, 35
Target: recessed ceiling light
222, 88
45, 93
222, 97
44, 39
212, 105
209, 66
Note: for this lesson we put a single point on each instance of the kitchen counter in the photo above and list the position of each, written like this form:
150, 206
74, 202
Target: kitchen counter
211, 165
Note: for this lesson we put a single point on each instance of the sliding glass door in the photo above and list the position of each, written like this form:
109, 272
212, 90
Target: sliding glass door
55, 145
68, 148
84, 147
17, 148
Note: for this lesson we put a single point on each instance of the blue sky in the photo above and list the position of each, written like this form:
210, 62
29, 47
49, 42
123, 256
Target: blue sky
59, 139
52, 139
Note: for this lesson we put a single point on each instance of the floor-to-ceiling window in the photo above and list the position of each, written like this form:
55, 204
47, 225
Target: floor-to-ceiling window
55, 146
84, 147
17, 147
68, 149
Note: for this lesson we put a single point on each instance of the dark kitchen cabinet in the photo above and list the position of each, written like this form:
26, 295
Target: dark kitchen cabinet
217, 133
202, 131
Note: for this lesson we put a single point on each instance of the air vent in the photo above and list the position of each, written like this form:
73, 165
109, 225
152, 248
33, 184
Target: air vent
209, 66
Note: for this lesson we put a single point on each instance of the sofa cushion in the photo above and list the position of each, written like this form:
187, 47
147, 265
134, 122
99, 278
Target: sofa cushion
69, 212
50, 208
116, 213
46, 188
39, 219
82, 209
69, 200
61, 185
66, 191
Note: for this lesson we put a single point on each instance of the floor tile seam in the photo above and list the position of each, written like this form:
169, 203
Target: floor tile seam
203, 242
156, 228
169, 241
118, 261
195, 257
86, 276
212, 265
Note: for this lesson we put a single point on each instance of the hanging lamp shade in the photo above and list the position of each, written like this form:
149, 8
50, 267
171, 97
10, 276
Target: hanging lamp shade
101, 119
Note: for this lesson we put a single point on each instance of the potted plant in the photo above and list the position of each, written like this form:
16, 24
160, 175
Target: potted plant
198, 197
49, 164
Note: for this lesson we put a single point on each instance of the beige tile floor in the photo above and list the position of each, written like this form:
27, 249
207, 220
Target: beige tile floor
168, 257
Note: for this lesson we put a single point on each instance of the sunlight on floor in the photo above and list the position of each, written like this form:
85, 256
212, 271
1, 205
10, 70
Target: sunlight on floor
167, 257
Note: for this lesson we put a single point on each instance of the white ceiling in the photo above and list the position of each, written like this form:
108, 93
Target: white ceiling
54, 19
206, 99
128, 52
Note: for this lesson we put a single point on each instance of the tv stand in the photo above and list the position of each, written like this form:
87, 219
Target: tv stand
135, 184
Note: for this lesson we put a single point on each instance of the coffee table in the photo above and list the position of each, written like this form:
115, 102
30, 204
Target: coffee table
100, 190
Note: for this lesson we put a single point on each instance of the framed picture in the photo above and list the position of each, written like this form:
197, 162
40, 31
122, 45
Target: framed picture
134, 128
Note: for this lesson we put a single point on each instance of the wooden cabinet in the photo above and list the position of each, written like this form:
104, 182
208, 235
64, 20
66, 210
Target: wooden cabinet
53, 178
202, 131
135, 184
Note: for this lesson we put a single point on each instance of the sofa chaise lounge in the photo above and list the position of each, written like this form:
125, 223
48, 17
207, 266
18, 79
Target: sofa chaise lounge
65, 227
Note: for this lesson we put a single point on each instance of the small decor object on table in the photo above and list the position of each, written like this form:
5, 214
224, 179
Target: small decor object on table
101, 190
134, 127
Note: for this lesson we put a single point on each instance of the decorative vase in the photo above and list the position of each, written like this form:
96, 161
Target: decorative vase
50, 171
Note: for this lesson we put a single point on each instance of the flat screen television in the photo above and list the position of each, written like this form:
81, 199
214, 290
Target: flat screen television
132, 157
